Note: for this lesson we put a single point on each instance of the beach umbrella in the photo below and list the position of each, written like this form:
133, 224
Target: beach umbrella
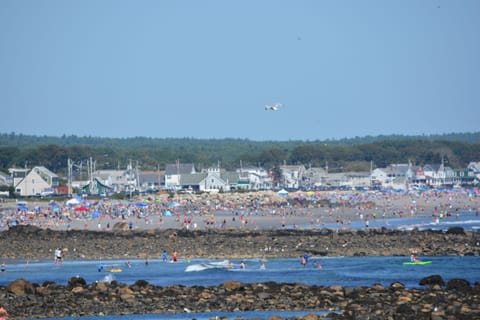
141, 204
82, 208
22, 208
173, 204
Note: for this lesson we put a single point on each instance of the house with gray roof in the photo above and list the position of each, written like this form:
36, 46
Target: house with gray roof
393, 176
35, 181
151, 180
292, 175
211, 180
174, 171
254, 178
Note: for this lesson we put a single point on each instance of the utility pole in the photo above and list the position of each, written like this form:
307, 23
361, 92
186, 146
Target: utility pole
326, 170
371, 172
69, 176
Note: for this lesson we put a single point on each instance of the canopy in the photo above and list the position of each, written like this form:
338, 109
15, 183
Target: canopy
72, 202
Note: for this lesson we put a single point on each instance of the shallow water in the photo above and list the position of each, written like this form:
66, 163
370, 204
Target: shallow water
345, 271
469, 220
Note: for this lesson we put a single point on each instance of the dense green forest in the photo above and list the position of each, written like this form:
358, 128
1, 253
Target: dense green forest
19, 150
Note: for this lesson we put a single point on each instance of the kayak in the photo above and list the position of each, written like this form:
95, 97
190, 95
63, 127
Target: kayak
115, 270
417, 262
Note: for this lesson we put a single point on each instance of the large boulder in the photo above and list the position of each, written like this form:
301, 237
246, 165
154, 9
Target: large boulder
20, 287
460, 285
456, 230
232, 285
76, 282
432, 281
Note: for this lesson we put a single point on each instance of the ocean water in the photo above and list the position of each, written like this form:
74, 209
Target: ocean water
345, 271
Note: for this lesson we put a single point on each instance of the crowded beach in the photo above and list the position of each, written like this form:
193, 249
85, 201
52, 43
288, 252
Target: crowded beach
249, 210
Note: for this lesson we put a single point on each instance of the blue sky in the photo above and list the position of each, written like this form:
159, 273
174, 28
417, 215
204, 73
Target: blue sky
205, 69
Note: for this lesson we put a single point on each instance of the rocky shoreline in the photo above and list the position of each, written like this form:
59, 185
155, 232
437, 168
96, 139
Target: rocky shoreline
32, 243
457, 299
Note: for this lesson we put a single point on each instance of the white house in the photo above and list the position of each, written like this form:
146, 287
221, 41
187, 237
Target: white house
174, 171
434, 174
393, 176
210, 180
37, 181
257, 178
475, 168
292, 175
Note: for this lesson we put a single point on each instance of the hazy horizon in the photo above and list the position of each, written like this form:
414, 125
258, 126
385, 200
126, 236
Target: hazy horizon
249, 139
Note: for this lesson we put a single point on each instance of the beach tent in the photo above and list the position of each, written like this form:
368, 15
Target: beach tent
72, 202
173, 204
167, 213
283, 193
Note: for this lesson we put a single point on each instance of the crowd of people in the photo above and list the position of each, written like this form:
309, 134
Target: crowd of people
239, 210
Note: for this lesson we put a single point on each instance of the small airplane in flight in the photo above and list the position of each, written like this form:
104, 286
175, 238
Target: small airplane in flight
273, 107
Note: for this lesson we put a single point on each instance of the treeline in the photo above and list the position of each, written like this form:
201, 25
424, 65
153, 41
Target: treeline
457, 150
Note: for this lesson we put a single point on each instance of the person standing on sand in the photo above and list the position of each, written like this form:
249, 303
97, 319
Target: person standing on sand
58, 256
164, 256
175, 257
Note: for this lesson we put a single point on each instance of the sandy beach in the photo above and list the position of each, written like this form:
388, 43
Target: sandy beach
255, 210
